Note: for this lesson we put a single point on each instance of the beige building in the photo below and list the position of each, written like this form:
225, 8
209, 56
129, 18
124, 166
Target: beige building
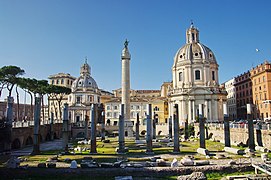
196, 81
261, 88
231, 98
139, 99
60, 79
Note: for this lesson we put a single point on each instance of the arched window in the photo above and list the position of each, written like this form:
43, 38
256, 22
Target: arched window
197, 74
180, 76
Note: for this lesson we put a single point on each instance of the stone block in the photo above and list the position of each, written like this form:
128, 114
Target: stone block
117, 164
187, 161
202, 163
107, 165
202, 151
73, 164
140, 141
261, 149
138, 165
123, 178
42, 165
51, 165
13, 162
233, 150
161, 162
106, 141
174, 163
264, 157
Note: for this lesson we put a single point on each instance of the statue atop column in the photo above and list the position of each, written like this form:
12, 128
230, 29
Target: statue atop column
126, 43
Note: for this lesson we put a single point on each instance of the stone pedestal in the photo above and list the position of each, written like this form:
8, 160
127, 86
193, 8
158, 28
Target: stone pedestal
36, 136
233, 150
203, 151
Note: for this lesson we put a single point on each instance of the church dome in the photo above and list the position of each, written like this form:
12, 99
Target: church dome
84, 80
193, 50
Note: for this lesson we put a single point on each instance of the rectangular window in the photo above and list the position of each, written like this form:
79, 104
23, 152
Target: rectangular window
115, 115
78, 99
108, 107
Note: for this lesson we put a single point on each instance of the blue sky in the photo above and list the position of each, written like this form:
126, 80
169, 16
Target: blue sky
52, 36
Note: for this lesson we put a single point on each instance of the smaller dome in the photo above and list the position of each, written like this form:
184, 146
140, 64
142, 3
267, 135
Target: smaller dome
85, 80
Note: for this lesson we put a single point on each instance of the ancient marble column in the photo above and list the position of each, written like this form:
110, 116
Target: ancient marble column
86, 126
103, 126
137, 126
259, 134
201, 127
251, 140
154, 126
121, 149
125, 87
186, 135
170, 127
8, 126
52, 126
149, 129
227, 136
94, 109
65, 128
176, 129
36, 136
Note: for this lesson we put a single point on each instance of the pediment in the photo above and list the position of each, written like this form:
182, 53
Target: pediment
199, 90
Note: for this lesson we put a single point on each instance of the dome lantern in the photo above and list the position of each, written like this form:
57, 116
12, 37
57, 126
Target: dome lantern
85, 69
192, 34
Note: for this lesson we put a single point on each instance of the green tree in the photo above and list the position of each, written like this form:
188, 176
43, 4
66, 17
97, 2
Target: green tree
9, 76
58, 93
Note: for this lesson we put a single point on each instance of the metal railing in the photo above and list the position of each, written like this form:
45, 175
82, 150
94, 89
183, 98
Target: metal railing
238, 126
19, 124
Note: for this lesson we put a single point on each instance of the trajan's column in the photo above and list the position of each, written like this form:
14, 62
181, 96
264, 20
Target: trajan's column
125, 84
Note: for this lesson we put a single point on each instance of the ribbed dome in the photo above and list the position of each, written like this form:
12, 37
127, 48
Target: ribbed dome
85, 80
193, 50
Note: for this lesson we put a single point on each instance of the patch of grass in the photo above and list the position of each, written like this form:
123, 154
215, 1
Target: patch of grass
219, 175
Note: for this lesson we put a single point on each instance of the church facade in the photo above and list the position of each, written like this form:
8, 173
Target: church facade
195, 81
85, 92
